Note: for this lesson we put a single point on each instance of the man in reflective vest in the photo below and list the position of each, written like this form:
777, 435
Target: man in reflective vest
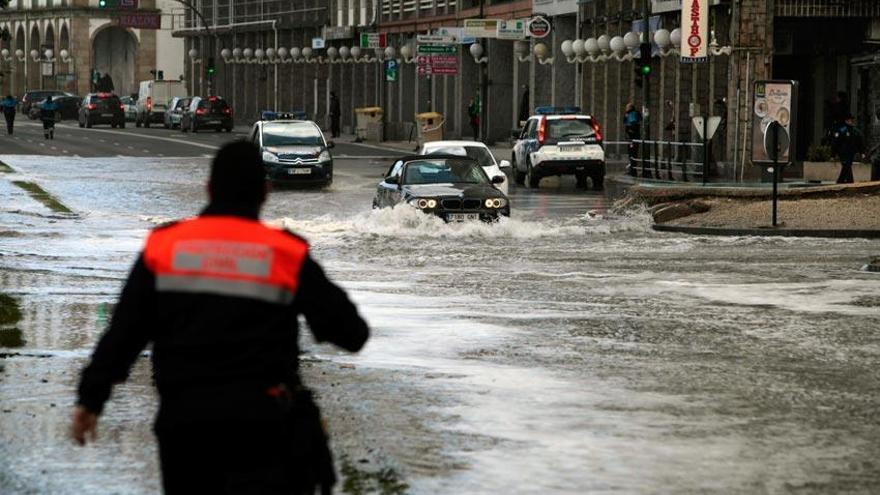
219, 296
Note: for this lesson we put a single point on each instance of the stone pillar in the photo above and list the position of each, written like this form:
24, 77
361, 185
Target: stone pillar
566, 73
501, 90
81, 51
752, 36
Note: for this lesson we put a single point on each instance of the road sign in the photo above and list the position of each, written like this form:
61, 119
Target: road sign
539, 27
481, 28
512, 30
373, 40
392, 69
713, 124
318, 43
436, 49
434, 39
455, 35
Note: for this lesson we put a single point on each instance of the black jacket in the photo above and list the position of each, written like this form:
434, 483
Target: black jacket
334, 107
209, 349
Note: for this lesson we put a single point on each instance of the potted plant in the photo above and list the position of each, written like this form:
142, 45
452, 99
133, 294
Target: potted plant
820, 165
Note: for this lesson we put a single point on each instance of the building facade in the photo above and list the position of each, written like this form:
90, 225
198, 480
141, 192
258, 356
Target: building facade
37, 34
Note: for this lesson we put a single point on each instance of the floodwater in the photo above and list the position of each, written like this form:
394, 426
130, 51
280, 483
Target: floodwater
569, 349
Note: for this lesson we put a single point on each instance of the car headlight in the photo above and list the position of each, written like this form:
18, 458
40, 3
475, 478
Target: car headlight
270, 157
423, 203
325, 156
495, 203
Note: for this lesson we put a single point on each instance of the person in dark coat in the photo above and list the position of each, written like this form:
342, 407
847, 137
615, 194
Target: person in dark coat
335, 114
524, 105
219, 297
632, 126
9, 105
473, 111
847, 143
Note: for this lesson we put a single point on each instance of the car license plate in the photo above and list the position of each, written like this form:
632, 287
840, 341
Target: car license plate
463, 217
570, 148
106, 115
299, 171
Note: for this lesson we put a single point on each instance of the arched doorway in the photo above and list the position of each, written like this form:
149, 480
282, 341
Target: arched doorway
113, 52
33, 68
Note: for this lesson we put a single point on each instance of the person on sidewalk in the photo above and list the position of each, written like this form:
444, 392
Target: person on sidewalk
219, 297
335, 113
847, 143
473, 111
8, 104
48, 111
632, 126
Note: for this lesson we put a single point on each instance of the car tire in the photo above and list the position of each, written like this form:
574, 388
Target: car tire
598, 181
81, 125
219, 129
518, 177
532, 180
166, 125
146, 123
228, 129
122, 125
193, 127
113, 125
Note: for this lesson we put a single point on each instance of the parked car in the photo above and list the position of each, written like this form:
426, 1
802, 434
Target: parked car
101, 108
474, 149
559, 141
68, 107
207, 112
37, 96
175, 111
294, 152
130, 104
455, 188
153, 99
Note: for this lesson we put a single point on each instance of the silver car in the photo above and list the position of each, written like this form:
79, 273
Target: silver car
178, 105
129, 105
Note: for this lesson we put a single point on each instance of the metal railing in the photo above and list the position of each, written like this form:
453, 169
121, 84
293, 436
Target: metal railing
666, 160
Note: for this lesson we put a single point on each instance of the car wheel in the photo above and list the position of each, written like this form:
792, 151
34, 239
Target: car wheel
229, 129
533, 180
122, 125
518, 177
165, 124
581, 178
146, 123
113, 125
598, 181
193, 128
81, 125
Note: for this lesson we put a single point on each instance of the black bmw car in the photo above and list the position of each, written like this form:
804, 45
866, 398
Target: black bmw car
455, 188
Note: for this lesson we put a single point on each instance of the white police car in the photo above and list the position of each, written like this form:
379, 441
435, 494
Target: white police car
559, 141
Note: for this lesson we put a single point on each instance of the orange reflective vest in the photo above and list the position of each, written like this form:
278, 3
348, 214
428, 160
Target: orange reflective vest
226, 256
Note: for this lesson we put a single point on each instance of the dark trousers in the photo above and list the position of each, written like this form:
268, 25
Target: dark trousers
10, 120
334, 125
846, 171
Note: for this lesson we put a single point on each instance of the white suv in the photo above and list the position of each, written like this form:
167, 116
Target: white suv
559, 141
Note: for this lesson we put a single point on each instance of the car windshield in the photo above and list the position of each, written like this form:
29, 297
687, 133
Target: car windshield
478, 153
291, 134
564, 129
444, 171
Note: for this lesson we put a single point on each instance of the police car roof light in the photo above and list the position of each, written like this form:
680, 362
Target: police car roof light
549, 110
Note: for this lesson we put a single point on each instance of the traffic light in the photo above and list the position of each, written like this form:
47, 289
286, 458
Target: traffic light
210, 68
102, 4
643, 64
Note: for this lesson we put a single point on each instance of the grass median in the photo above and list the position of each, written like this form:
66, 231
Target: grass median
40, 194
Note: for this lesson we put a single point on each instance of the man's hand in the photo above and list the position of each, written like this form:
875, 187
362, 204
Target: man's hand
83, 425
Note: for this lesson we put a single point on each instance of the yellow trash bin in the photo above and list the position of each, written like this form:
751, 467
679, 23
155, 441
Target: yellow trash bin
430, 126
367, 120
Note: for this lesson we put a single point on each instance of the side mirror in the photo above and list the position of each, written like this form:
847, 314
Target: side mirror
516, 133
330, 145
504, 164
393, 180
498, 179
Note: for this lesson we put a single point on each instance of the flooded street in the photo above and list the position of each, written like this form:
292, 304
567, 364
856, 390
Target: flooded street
569, 349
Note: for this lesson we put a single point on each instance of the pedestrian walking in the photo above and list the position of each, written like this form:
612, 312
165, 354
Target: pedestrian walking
473, 111
632, 126
48, 110
218, 297
335, 113
9, 105
847, 142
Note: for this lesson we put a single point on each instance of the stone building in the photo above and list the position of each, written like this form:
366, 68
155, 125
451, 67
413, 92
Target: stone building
92, 40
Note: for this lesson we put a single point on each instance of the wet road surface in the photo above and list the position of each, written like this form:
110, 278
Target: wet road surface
558, 352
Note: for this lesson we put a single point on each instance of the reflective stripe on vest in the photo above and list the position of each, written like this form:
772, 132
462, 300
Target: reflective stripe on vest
226, 256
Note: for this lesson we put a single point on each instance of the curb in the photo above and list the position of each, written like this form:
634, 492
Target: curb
769, 232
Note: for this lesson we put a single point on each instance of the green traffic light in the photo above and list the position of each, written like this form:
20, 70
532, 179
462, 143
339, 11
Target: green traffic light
102, 3
646, 70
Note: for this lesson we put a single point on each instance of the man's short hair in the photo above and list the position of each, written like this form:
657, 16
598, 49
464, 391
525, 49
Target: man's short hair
237, 174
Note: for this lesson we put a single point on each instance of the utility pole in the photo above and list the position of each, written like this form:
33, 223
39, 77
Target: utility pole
645, 55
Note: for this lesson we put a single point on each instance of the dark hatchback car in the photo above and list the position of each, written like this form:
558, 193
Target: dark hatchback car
212, 112
295, 152
101, 108
455, 188
38, 96
68, 107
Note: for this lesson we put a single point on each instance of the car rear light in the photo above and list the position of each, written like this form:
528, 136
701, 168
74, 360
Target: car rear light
227, 111
200, 111
598, 130
122, 107
149, 103
93, 106
542, 130
212, 98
